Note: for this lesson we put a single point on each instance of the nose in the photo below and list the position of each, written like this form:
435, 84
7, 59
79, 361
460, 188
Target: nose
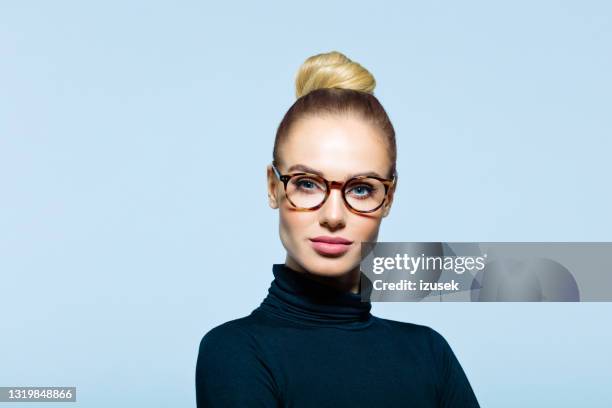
333, 212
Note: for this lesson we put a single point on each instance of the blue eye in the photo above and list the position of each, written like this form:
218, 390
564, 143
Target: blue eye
305, 184
362, 191
308, 185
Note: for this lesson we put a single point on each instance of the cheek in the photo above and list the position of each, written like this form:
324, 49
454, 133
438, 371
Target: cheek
294, 225
365, 228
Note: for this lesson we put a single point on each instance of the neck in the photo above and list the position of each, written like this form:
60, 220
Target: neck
346, 282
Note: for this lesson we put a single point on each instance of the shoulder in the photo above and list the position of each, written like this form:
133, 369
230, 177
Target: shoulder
230, 349
231, 369
428, 342
243, 336
452, 385
412, 329
231, 335
417, 334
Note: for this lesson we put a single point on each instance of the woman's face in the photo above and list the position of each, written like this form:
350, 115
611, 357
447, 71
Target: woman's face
338, 147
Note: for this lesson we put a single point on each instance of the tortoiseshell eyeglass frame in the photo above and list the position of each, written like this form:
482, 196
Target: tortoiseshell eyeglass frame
334, 184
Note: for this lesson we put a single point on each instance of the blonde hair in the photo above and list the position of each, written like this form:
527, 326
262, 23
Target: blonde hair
332, 70
332, 84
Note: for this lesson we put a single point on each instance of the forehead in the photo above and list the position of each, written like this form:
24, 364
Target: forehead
336, 145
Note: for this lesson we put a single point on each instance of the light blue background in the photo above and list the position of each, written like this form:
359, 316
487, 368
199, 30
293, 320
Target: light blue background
133, 213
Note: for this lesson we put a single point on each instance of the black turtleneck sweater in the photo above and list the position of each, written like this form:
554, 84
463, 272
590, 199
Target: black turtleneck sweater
309, 345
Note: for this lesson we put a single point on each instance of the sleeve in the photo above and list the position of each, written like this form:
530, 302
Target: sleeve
230, 372
454, 387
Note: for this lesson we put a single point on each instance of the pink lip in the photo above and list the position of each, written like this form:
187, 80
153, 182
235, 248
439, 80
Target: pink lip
330, 245
332, 240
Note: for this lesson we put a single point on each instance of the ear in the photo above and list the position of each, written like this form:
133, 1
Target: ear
386, 210
273, 185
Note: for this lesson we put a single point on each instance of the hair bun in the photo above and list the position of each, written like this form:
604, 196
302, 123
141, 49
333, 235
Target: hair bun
332, 70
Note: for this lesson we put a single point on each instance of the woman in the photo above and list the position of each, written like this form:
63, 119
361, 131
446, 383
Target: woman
313, 342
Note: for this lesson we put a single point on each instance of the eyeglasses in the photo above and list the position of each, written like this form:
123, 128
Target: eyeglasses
361, 194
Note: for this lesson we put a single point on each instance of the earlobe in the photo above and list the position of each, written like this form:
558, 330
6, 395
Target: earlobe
386, 210
272, 202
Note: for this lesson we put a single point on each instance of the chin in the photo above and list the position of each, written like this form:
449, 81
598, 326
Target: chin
330, 266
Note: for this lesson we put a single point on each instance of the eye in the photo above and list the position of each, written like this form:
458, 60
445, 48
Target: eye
361, 191
307, 184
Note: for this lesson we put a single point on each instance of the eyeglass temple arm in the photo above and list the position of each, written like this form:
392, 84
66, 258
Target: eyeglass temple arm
276, 171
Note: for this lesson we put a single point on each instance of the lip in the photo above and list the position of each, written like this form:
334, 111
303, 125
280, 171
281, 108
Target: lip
332, 240
326, 245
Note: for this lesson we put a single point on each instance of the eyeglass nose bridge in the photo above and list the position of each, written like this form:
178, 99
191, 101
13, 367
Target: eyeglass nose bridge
335, 184
331, 185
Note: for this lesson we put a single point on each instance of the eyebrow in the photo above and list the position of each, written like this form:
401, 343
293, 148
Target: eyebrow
303, 167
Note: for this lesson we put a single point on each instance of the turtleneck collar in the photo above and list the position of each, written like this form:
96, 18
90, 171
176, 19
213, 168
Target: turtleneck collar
297, 297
